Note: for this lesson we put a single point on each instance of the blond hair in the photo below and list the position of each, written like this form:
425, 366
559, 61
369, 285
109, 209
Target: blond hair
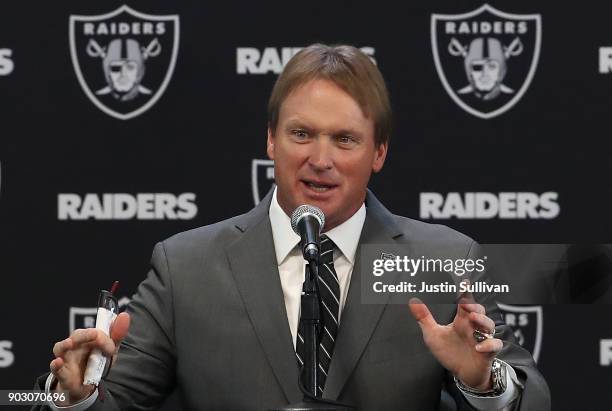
347, 67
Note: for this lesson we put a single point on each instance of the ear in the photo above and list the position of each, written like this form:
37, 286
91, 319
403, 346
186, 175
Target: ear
379, 157
270, 144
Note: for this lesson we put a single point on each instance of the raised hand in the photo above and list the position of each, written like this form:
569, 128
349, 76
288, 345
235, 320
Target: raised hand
455, 346
71, 357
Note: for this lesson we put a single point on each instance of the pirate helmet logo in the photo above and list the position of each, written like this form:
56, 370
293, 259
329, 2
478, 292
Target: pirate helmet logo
485, 61
128, 57
496, 53
123, 63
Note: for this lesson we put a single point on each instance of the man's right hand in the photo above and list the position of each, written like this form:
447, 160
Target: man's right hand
71, 357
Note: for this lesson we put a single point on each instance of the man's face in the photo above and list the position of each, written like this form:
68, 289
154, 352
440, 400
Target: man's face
123, 74
485, 74
324, 152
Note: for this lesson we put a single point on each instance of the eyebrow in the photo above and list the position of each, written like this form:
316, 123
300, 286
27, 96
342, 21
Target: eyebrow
295, 123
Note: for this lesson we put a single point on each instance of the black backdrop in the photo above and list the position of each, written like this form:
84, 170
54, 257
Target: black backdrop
208, 125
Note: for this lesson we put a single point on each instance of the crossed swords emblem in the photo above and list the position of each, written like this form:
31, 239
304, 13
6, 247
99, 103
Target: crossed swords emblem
455, 48
93, 49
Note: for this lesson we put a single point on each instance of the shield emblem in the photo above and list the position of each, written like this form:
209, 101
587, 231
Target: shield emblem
262, 178
527, 323
124, 59
85, 317
486, 58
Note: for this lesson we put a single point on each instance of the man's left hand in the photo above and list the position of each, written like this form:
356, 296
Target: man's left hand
455, 346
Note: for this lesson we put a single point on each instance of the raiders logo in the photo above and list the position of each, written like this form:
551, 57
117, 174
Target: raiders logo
486, 58
262, 178
527, 323
124, 60
85, 317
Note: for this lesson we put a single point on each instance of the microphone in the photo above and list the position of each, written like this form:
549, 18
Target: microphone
307, 221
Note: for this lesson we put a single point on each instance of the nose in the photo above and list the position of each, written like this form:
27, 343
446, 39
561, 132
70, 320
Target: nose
321, 155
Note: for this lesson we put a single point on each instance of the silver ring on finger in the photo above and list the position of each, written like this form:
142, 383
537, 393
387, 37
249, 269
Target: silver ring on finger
480, 336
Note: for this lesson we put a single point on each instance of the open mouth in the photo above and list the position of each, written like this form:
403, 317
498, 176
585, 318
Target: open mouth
318, 187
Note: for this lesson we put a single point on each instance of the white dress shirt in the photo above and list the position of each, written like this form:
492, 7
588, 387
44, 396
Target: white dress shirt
292, 266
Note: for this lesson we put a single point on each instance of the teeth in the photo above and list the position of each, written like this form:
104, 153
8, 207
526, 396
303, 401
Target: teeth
318, 188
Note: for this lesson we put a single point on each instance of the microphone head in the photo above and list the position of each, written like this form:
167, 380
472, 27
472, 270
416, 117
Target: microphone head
303, 211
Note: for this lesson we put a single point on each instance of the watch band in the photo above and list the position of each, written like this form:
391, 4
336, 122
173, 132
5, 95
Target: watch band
498, 376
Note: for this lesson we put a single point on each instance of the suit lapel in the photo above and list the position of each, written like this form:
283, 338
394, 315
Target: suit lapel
359, 320
254, 267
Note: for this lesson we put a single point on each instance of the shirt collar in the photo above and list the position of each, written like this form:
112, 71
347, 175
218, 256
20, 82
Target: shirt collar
345, 236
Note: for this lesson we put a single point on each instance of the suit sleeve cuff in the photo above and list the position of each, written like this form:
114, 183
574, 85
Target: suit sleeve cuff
499, 402
80, 406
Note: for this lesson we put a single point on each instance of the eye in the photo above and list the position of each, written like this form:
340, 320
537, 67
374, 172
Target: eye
299, 133
345, 139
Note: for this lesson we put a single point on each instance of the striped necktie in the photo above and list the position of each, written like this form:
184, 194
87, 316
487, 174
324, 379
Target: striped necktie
329, 289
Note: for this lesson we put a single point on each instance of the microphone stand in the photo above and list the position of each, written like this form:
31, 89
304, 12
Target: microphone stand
310, 319
310, 322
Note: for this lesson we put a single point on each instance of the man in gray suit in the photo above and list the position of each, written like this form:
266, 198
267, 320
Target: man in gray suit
217, 316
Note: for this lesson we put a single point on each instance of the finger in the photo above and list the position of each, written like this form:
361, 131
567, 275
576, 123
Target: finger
59, 371
482, 322
104, 343
490, 346
84, 335
421, 313
93, 338
120, 328
61, 347
56, 365
473, 307
466, 297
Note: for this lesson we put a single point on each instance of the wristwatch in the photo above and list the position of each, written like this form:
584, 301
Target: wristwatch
498, 376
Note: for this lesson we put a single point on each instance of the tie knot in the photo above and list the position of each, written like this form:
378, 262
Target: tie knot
327, 247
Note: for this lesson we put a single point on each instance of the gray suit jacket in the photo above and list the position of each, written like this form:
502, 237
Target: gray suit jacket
210, 321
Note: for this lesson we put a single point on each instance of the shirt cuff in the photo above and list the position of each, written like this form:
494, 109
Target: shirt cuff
80, 406
501, 401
